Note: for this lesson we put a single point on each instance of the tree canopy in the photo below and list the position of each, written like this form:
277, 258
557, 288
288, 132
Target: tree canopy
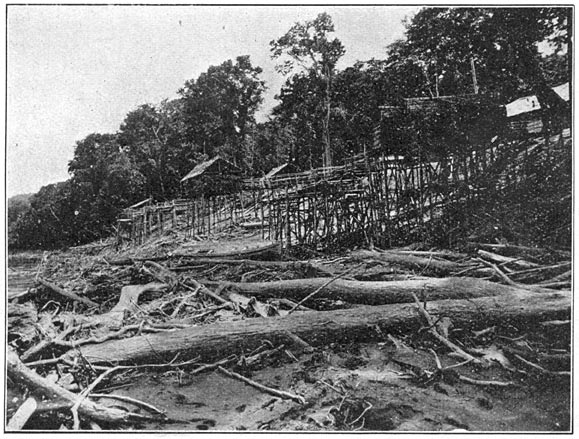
501, 42
219, 107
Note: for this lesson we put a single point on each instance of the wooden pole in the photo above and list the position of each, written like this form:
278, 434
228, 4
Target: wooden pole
473, 72
287, 217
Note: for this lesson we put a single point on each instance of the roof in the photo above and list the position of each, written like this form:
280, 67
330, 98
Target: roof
275, 170
216, 165
563, 91
523, 105
287, 167
140, 203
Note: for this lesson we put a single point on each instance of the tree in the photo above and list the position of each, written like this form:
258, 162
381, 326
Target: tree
307, 44
153, 138
268, 146
555, 69
297, 111
104, 181
219, 107
17, 207
501, 43
359, 92
47, 222
91, 158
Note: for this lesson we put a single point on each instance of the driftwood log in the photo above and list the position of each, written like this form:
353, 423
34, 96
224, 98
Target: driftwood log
518, 251
318, 328
268, 252
374, 293
419, 263
22, 415
500, 259
281, 265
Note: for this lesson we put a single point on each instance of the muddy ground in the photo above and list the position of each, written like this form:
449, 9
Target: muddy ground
362, 387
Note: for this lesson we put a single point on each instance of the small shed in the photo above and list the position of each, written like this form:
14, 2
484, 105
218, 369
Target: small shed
524, 116
212, 177
548, 110
526, 104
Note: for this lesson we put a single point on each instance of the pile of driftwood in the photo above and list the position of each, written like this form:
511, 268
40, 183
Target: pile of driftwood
199, 313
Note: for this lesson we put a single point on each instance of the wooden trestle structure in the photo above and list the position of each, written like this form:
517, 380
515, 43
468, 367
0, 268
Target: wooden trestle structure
385, 200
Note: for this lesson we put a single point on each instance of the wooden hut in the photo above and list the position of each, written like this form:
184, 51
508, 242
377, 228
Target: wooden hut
548, 110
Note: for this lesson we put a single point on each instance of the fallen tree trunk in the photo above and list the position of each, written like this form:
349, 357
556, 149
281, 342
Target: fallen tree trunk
22, 415
374, 293
418, 263
271, 251
500, 259
517, 250
319, 328
282, 265
445, 254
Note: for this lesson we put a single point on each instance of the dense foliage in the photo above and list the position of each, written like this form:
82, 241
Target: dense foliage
324, 115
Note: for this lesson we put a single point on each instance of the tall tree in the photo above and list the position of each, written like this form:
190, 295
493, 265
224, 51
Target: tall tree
91, 158
309, 46
104, 180
153, 139
219, 107
298, 111
358, 93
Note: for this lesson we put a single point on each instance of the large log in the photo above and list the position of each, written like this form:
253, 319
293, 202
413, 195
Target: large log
266, 252
280, 265
374, 293
500, 259
517, 250
423, 264
318, 328
22, 415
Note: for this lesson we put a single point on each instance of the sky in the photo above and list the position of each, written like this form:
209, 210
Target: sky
77, 70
